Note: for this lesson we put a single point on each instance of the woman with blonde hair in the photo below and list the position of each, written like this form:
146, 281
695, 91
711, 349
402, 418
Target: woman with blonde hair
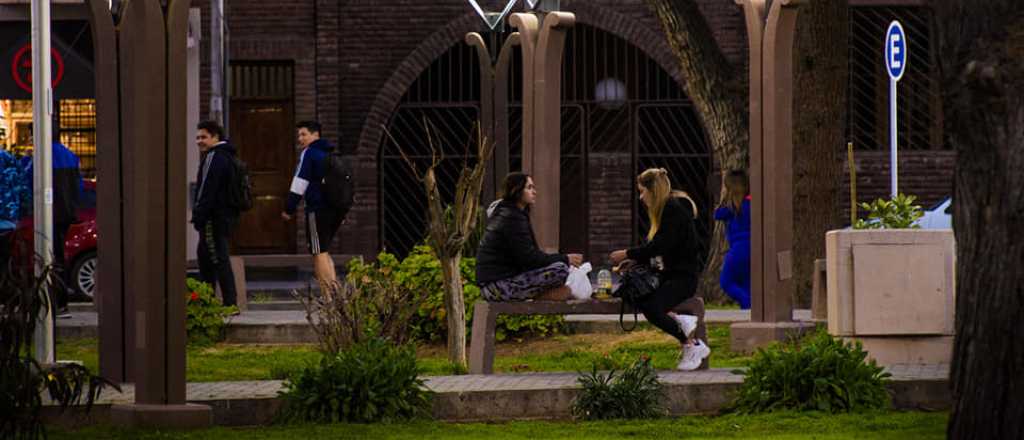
671, 249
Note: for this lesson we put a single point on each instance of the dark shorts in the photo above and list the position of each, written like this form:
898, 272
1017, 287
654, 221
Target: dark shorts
320, 229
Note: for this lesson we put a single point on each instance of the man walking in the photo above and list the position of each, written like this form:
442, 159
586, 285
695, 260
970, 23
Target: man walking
322, 219
211, 215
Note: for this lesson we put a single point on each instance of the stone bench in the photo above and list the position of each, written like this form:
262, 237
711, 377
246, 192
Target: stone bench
485, 315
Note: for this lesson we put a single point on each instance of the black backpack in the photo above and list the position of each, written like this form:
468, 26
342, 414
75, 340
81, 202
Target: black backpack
239, 186
338, 183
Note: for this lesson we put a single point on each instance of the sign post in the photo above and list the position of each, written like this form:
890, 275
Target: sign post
895, 65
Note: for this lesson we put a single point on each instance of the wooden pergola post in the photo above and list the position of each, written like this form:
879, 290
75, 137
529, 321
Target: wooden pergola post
770, 30
142, 136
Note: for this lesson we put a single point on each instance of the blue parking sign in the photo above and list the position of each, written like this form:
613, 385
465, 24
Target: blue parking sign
895, 51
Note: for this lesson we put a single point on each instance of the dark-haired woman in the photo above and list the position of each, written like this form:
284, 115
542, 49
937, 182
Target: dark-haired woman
509, 264
672, 250
735, 212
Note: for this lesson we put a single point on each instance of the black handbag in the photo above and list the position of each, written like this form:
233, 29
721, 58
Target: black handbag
636, 284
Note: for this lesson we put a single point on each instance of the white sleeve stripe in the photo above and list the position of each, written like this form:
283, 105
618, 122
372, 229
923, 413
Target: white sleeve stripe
298, 168
299, 185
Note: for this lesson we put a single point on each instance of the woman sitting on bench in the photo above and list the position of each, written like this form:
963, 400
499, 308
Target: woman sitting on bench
509, 264
671, 250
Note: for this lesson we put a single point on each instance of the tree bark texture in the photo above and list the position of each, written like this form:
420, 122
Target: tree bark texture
981, 47
718, 94
447, 238
821, 69
455, 305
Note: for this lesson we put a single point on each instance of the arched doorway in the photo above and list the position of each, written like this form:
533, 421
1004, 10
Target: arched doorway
621, 113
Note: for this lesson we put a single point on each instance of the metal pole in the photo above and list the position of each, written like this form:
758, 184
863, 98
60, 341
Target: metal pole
893, 137
42, 164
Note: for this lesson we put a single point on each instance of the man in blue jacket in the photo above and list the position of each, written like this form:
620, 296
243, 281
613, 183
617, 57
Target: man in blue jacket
322, 221
67, 183
211, 216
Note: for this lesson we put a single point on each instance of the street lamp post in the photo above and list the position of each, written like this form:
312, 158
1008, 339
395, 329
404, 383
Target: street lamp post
42, 165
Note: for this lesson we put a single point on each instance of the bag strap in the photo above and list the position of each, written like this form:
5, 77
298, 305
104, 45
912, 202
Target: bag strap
622, 312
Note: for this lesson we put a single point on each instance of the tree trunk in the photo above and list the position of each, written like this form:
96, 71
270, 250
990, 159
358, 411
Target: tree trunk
981, 46
455, 305
720, 98
821, 68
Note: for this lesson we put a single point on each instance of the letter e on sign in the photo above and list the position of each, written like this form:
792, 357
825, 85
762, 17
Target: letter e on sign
895, 51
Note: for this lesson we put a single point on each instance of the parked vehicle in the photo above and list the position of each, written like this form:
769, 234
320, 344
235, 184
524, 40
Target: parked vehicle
939, 216
79, 244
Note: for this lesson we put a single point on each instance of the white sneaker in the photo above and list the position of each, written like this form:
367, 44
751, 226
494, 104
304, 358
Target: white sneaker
687, 323
693, 355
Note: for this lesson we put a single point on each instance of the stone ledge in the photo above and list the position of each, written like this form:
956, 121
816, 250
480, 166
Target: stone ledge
517, 396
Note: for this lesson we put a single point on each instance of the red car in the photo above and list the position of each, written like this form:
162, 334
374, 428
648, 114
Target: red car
79, 243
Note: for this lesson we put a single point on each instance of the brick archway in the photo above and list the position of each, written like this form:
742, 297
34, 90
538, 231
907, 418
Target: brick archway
650, 42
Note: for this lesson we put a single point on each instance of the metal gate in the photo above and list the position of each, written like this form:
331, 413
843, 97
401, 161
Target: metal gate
403, 200
669, 135
919, 101
617, 102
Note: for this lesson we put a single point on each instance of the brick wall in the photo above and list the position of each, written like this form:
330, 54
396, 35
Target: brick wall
927, 174
355, 59
385, 45
611, 207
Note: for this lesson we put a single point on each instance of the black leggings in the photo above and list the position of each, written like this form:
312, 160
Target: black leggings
671, 293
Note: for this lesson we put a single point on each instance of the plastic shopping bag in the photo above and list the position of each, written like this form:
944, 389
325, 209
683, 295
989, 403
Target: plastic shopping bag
579, 283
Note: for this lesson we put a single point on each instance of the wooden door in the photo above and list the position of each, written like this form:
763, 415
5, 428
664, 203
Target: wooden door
263, 131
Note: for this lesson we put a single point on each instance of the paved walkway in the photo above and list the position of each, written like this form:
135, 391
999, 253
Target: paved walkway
209, 391
292, 317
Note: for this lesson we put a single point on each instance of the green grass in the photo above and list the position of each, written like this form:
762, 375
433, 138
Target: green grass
233, 362
785, 425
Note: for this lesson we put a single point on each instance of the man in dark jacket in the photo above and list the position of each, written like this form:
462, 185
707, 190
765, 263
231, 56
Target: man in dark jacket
67, 183
322, 220
211, 215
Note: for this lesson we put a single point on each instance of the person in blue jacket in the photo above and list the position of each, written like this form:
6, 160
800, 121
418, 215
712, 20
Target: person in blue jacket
322, 220
67, 186
735, 212
13, 189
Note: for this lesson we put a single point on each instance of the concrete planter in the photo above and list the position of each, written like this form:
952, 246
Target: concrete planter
893, 290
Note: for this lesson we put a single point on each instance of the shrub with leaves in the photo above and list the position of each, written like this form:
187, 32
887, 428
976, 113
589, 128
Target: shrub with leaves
420, 272
820, 374
371, 381
633, 394
206, 314
898, 213
22, 380
371, 303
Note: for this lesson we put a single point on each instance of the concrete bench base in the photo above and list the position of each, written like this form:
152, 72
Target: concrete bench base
485, 316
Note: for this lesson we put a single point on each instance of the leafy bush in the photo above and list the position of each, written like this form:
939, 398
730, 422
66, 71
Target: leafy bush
634, 394
370, 304
822, 374
22, 380
898, 213
421, 273
206, 313
371, 381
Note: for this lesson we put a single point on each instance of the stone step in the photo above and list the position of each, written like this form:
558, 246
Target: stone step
530, 396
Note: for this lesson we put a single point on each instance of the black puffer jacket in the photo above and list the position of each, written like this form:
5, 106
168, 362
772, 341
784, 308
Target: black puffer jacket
509, 247
676, 242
